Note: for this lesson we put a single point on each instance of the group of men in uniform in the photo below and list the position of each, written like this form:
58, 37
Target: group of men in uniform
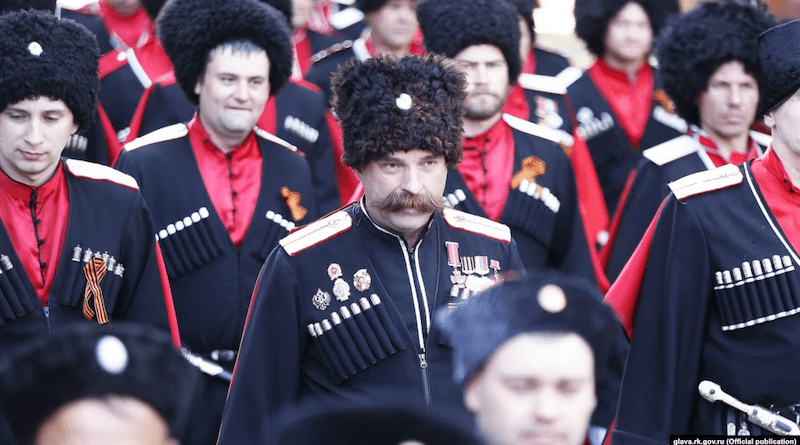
461, 169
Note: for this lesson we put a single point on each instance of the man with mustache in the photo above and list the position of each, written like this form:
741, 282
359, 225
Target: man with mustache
344, 306
513, 171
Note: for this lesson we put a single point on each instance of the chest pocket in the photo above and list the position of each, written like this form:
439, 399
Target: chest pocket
532, 209
354, 338
93, 281
760, 291
189, 243
14, 299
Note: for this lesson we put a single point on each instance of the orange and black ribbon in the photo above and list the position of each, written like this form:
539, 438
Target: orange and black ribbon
293, 201
94, 270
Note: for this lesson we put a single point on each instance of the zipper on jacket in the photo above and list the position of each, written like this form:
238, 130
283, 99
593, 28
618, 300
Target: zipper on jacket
426, 383
47, 320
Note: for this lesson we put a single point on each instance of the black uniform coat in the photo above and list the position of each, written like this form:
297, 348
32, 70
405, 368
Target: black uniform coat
107, 217
742, 336
543, 214
212, 280
390, 347
300, 121
611, 151
662, 164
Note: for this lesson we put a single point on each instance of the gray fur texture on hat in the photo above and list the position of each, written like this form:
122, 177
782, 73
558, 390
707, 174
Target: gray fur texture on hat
450, 26
191, 29
695, 45
18, 5
86, 361
779, 53
41, 56
592, 18
385, 105
480, 325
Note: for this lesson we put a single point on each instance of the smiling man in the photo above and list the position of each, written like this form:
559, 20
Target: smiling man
76, 239
529, 354
222, 191
343, 308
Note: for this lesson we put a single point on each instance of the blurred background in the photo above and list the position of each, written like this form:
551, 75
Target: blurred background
555, 25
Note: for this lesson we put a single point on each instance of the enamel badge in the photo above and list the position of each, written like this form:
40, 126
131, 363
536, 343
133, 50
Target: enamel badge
341, 289
321, 300
362, 280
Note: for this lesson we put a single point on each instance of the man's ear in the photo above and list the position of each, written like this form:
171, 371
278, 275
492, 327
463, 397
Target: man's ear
769, 121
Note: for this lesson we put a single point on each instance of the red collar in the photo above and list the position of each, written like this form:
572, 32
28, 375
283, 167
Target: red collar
496, 131
199, 136
22, 192
529, 66
618, 75
132, 31
716, 156
773, 165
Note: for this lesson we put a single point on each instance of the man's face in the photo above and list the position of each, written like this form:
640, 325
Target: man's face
487, 81
393, 25
233, 92
117, 420
629, 36
728, 106
783, 121
403, 190
535, 389
33, 133
124, 8
301, 11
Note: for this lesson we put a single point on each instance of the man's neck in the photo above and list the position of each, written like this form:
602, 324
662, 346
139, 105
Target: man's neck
727, 145
629, 67
473, 128
383, 50
224, 143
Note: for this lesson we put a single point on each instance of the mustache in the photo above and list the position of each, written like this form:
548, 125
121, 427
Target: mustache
401, 200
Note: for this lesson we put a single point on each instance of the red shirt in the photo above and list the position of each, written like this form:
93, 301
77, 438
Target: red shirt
36, 219
232, 180
301, 53
128, 32
782, 197
736, 158
631, 102
487, 167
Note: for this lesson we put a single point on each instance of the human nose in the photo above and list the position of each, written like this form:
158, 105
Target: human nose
34, 134
546, 406
735, 97
241, 91
412, 182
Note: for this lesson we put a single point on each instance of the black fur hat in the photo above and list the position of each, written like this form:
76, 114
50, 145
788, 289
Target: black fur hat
369, 5
191, 29
152, 7
43, 56
387, 105
541, 303
696, 44
449, 26
592, 18
779, 53
18, 5
89, 362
